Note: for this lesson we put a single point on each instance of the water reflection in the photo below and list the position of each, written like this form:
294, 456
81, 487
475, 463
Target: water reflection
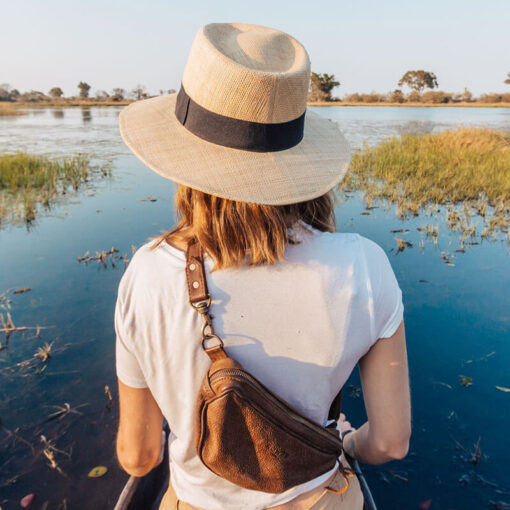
416, 127
42, 131
86, 115
58, 113
456, 316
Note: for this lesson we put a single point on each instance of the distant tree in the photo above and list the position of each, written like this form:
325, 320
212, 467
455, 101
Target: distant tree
466, 96
171, 91
491, 98
118, 94
321, 86
101, 94
56, 92
353, 98
139, 91
418, 80
414, 96
34, 96
397, 96
84, 89
507, 81
436, 97
5, 92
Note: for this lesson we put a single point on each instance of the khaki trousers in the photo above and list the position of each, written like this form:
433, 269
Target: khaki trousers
339, 493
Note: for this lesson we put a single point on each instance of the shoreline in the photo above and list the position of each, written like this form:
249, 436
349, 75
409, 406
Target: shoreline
125, 102
420, 105
65, 104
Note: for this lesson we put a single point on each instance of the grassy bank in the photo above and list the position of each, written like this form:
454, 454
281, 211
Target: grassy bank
421, 105
29, 181
469, 167
71, 102
8, 110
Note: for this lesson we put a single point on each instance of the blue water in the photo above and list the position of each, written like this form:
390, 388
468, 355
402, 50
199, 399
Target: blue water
457, 323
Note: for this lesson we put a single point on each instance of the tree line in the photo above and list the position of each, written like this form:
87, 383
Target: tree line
8, 93
416, 82
321, 88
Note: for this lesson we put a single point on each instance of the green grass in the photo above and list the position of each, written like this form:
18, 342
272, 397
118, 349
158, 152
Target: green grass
27, 181
465, 166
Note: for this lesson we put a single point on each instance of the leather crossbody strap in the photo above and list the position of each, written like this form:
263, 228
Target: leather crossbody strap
195, 273
198, 293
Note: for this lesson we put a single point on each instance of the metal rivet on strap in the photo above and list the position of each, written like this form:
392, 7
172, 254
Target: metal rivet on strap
192, 267
196, 285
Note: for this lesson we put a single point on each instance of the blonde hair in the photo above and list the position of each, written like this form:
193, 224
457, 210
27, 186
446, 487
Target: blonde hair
233, 232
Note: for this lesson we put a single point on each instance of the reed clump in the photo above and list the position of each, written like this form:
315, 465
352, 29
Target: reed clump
468, 167
27, 181
8, 110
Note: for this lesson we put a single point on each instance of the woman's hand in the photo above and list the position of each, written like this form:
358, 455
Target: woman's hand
344, 424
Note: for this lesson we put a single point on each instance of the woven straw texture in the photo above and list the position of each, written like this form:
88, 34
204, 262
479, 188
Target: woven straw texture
230, 64
251, 73
308, 170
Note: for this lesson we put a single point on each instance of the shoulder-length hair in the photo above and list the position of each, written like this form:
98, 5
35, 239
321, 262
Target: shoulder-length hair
233, 232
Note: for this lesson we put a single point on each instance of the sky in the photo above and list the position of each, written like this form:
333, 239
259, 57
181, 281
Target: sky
367, 44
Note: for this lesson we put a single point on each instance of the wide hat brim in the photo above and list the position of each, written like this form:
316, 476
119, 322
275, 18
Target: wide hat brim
306, 171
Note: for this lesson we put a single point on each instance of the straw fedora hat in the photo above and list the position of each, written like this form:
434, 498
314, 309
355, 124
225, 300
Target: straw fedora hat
239, 128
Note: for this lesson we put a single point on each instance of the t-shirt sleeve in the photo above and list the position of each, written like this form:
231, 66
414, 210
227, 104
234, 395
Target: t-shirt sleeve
128, 367
388, 308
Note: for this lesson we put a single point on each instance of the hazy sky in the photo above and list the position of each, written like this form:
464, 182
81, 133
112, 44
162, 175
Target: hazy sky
367, 44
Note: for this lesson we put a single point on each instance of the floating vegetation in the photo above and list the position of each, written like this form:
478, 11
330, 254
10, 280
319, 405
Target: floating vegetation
21, 291
465, 381
447, 258
8, 327
27, 501
97, 472
402, 244
44, 352
49, 451
64, 411
37, 363
464, 173
30, 181
354, 391
103, 257
108, 393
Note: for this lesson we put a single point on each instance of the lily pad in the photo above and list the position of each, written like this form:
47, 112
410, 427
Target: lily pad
97, 472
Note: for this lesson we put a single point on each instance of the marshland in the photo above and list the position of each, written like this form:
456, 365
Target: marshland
430, 185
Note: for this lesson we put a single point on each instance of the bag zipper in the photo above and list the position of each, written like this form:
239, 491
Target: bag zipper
226, 372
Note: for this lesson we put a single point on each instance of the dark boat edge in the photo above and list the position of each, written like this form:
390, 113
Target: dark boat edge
147, 492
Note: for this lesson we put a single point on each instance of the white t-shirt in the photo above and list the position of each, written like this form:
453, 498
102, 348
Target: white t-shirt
299, 326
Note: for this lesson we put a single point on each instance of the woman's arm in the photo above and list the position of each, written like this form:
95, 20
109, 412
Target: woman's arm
385, 382
139, 434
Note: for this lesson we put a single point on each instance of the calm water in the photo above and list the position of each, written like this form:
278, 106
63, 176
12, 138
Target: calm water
457, 322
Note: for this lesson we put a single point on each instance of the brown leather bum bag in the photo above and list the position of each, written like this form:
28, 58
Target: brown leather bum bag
244, 432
